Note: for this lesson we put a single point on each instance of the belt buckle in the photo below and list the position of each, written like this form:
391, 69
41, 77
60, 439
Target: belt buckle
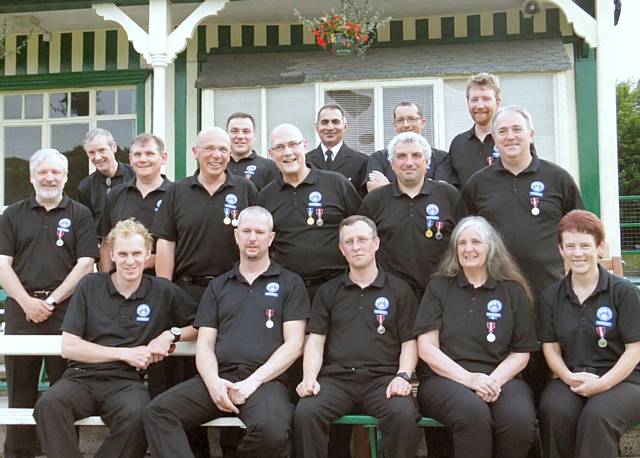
42, 294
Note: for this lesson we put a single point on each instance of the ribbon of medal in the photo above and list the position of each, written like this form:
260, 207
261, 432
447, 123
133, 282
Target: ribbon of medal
439, 226
310, 220
602, 342
269, 313
234, 217
535, 210
227, 212
429, 232
380, 320
319, 220
60, 233
491, 327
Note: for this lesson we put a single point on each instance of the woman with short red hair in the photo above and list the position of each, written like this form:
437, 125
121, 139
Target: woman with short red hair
589, 324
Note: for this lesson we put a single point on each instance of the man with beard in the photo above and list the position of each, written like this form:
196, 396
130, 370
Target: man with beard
47, 244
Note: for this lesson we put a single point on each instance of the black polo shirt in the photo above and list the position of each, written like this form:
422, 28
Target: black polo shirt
310, 250
99, 314
189, 216
240, 312
93, 190
614, 305
439, 166
403, 222
469, 154
505, 200
347, 161
348, 316
126, 201
259, 170
461, 313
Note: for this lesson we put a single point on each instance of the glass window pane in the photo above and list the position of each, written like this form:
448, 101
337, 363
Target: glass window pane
58, 104
126, 101
33, 106
123, 131
105, 102
80, 103
422, 95
358, 105
456, 115
12, 107
299, 103
67, 138
19, 144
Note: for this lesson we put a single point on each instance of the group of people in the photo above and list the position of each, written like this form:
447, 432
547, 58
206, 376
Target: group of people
318, 284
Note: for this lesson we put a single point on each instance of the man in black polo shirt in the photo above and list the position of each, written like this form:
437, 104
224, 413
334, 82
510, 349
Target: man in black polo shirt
474, 149
140, 197
245, 162
361, 351
93, 190
524, 198
332, 153
117, 325
308, 205
408, 117
47, 244
414, 215
251, 324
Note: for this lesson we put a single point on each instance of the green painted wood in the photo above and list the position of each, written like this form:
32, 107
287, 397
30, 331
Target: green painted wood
422, 29
88, 49
140, 107
43, 55
180, 117
248, 32
65, 52
224, 36
526, 25
500, 24
587, 120
272, 36
473, 26
111, 51
553, 20
134, 57
72, 80
396, 33
296, 35
448, 27
21, 56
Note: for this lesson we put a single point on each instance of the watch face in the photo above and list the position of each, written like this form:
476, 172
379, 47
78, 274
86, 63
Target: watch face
176, 331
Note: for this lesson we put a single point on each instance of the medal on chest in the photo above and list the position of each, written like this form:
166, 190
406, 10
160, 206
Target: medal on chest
230, 210
535, 194
63, 227
315, 208
604, 320
432, 217
494, 309
269, 313
380, 311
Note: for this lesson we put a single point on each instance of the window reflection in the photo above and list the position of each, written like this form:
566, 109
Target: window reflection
106, 102
58, 105
13, 107
80, 104
33, 106
126, 101
67, 138
20, 142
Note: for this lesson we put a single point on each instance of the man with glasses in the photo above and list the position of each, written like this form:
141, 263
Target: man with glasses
307, 205
333, 153
47, 244
361, 351
195, 226
245, 162
408, 117
93, 190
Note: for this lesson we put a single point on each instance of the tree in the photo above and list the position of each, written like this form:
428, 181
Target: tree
628, 103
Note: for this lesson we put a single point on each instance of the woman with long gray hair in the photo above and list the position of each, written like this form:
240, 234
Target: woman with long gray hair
475, 331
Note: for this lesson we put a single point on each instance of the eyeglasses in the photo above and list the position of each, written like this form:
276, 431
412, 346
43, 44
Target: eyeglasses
281, 147
359, 240
213, 148
409, 119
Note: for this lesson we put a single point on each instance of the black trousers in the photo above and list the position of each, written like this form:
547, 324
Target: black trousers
117, 396
501, 429
23, 377
574, 426
267, 414
339, 396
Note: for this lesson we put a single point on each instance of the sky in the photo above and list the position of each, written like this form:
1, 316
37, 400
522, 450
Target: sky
627, 37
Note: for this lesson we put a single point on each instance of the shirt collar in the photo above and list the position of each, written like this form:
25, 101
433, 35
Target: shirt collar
490, 282
425, 190
63, 203
250, 157
230, 180
140, 293
311, 177
377, 283
164, 186
533, 166
334, 149
273, 270
602, 285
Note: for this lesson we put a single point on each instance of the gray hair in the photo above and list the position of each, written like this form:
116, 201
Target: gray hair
45, 153
512, 109
500, 263
353, 219
409, 137
256, 212
99, 132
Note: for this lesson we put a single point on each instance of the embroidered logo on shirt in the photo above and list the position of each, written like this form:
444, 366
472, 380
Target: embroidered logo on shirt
494, 307
272, 289
143, 311
604, 316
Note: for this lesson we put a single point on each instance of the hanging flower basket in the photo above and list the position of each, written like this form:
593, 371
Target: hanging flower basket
349, 30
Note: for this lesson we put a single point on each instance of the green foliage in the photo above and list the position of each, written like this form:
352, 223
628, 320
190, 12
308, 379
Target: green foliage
628, 103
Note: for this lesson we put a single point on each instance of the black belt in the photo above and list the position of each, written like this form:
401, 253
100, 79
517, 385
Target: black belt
589, 370
42, 294
198, 281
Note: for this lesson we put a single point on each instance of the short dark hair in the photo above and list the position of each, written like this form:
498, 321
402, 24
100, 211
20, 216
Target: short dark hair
407, 103
484, 81
581, 221
331, 106
241, 114
353, 219
145, 138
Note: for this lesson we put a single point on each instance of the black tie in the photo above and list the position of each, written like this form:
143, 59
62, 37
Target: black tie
329, 156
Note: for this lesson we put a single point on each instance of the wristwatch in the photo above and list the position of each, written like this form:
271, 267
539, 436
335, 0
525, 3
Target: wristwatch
176, 332
404, 376
51, 301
